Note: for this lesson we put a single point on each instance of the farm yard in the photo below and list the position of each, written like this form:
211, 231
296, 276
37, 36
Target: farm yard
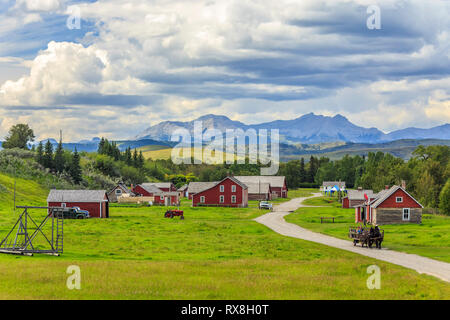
215, 253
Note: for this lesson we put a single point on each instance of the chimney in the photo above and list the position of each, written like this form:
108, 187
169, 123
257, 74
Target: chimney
403, 184
386, 187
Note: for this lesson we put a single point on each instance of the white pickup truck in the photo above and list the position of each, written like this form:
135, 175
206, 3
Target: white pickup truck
265, 205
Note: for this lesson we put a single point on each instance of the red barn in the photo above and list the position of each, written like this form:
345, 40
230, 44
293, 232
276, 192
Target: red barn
196, 187
390, 206
229, 192
356, 198
94, 201
146, 190
277, 183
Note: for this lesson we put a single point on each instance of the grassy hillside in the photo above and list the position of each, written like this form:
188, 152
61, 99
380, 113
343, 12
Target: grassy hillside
215, 253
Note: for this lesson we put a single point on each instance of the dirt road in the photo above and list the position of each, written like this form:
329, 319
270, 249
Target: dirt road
275, 221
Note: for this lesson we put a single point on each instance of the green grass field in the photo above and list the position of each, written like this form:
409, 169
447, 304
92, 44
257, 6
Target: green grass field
215, 253
430, 239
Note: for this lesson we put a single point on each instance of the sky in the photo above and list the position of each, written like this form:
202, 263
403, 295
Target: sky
134, 63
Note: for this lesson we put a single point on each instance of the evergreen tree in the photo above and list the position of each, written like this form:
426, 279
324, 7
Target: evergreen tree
128, 157
135, 158
75, 168
48, 155
313, 166
40, 153
302, 171
59, 158
141, 159
101, 146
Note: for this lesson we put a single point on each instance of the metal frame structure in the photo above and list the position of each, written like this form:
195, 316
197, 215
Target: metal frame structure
21, 243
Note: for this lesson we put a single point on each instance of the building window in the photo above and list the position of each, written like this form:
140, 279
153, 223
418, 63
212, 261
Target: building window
222, 188
202, 199
233, 188
222, 199
63, 205
161, 197
406, 214
399, 199
118, 191
233, 199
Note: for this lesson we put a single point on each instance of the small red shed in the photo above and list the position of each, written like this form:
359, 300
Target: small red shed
94, 201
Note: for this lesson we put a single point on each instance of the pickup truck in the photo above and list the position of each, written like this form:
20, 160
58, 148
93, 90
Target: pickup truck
73, 213
265, 205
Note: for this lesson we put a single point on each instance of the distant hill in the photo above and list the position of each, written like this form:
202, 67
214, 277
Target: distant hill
399, 148
92, 145
440, 132
307, 129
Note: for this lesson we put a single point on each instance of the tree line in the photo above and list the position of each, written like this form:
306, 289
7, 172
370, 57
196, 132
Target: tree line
427, 172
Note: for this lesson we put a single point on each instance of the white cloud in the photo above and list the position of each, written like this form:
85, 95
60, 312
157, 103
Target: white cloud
252, 61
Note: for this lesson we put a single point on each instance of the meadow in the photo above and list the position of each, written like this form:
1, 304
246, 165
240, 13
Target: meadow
430, 239
215, 253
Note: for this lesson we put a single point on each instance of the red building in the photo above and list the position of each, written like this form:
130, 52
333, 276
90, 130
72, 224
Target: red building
356, 198
277, 184
167, 198
163, 186
196, 187
146, 190
94, 201
390, 206
229, 192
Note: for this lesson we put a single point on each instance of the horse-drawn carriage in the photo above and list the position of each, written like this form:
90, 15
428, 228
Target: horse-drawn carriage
366, 236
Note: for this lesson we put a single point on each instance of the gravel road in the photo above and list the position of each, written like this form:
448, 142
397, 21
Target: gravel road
275, 221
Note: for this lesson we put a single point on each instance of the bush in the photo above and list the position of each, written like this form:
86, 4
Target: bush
444, 199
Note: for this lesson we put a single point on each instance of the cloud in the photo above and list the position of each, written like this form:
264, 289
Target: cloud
253, 61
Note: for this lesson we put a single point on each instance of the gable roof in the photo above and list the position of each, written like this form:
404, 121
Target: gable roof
359, 194
122, 187
196, 187
183, 188
150, 187
274, 181
384, 194
158, 184
209, 185
76, 195
258, 188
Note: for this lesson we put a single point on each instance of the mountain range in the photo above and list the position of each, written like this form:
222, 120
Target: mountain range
307, 129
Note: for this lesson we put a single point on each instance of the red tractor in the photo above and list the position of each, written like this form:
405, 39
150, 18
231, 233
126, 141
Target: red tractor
174, 213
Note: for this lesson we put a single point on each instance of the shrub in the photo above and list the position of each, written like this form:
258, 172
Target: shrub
444, 199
